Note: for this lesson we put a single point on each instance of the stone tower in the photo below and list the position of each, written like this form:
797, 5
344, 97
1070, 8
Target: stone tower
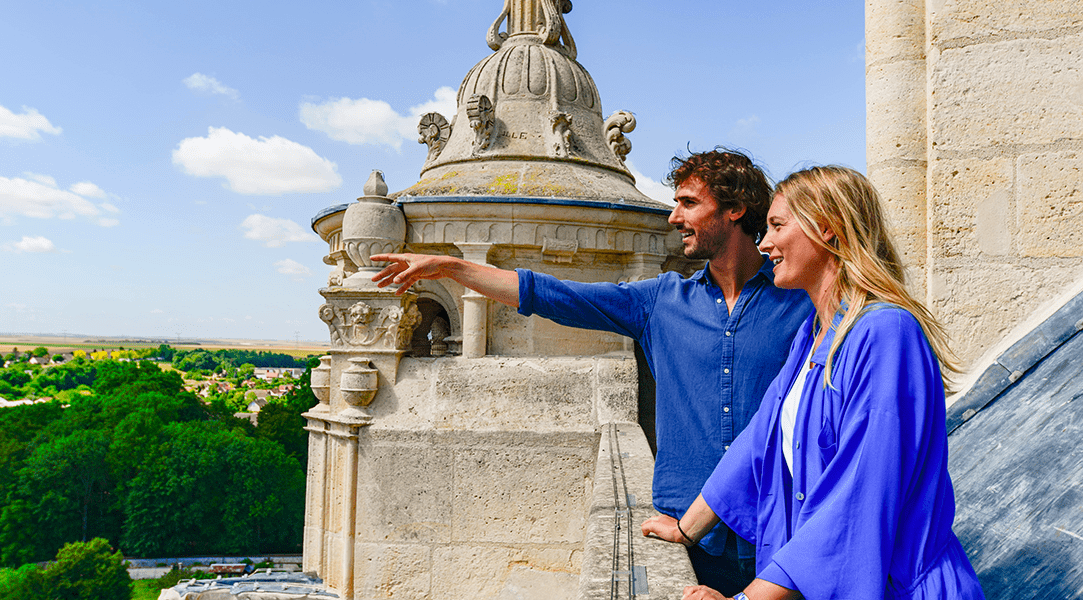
454, 450
975, 140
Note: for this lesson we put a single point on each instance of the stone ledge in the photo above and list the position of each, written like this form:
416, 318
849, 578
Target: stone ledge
666, 565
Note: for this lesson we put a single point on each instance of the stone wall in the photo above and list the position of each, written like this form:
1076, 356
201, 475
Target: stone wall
473, 479
975, 141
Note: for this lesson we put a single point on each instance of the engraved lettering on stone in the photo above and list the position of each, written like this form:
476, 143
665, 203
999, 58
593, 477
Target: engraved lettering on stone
433, 130
479, 109
618, 124
562, 134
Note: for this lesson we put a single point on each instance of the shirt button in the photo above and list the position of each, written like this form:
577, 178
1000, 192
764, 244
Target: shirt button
718, 301
726, 409
800, 496
797, 445
728, 334
725, 371
727, 448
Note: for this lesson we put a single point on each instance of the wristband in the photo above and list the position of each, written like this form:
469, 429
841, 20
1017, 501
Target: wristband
685, 536
740, 596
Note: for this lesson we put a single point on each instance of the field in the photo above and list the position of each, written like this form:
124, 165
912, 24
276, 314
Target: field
57, 344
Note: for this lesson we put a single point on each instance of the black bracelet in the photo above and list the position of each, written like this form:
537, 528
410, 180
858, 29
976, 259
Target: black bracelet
684, 535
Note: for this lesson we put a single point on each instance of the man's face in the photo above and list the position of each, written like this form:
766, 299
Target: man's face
704, 228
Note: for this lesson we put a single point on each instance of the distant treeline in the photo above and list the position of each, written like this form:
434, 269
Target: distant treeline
219, 360
124, 453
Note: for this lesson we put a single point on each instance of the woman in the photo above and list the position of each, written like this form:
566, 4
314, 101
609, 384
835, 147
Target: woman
841, 479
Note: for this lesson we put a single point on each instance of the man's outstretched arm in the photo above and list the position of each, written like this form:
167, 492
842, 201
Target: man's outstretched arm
405, 270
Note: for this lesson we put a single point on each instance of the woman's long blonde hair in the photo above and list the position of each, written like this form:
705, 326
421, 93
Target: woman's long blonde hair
869, 270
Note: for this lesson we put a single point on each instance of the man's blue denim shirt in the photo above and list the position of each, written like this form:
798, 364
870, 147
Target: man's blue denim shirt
711, 367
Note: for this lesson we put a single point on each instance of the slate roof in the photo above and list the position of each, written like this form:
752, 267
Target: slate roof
1016, 458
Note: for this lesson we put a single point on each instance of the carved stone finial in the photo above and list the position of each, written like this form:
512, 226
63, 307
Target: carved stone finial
434, 131
562, 134
618, 124
541, 17
375, 186
479, 109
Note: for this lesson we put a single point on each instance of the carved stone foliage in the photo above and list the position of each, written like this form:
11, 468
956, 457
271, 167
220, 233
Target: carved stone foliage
618, 124
433, 130
552, 28
359, 251
364, 326
562, 134
479, 109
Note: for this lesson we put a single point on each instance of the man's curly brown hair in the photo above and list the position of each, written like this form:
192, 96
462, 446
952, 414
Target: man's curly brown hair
733, 181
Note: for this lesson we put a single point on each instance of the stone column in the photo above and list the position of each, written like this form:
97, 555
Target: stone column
897, 124
475, 306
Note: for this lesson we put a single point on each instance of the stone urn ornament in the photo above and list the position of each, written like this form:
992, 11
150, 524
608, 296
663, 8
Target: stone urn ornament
358, 386
371, 225
321, 385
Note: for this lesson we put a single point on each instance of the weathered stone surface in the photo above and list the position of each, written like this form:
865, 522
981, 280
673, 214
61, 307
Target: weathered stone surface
404, 492
894, 31
399, 571
514, 393
972, 207
902, 190
980, 304
504, 572
1013, 92
522, 495
1050, 205
982, 18
895, 111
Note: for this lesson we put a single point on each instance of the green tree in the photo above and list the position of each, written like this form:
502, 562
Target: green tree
63, 493
25, 583
40, 351
88, 571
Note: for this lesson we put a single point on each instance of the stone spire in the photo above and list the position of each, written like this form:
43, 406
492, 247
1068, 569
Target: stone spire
529, 122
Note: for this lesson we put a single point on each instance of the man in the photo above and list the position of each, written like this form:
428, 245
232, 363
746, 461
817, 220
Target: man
713, 341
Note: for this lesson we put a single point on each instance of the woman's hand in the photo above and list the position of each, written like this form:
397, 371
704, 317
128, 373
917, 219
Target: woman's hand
664, 527
702, 592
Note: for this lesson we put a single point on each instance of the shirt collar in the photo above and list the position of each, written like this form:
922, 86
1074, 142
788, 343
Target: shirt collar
767, 269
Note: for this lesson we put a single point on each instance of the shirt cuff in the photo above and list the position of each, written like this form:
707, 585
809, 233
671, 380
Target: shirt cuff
774, 573
526, 292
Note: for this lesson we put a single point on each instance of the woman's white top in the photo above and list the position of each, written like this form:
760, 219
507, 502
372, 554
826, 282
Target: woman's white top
788, 419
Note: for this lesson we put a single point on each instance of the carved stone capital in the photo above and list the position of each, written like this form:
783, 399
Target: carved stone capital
370, 320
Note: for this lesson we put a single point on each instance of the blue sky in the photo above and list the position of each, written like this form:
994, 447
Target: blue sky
160, 162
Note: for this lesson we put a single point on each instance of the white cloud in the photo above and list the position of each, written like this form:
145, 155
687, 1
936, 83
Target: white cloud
275, 233
365, 121
272, 165
653, 189
35, 245
39, 197
157, 311
206, 83
87, 189
292, 267
26, 126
